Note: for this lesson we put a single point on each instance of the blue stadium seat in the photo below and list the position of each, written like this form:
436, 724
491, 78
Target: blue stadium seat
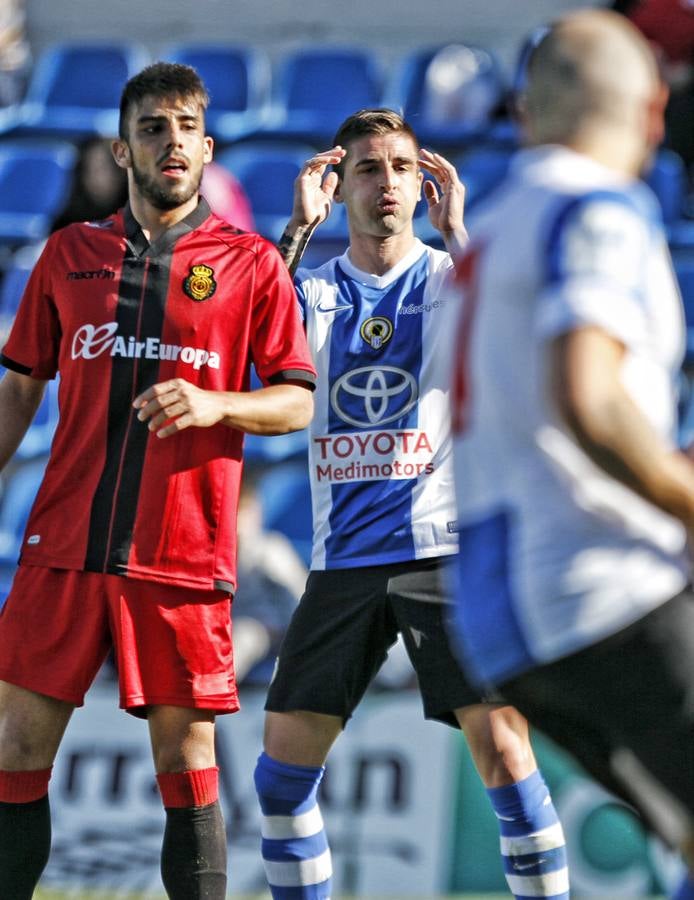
13, 283
238, 79
37, 440
17, 499
285, 496
75, 88
35, 179
481, 170
683, 263
316, 89
407, 92
267, 172
667, 178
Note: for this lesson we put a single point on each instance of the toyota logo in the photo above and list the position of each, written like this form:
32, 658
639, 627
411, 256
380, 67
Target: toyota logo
373, 395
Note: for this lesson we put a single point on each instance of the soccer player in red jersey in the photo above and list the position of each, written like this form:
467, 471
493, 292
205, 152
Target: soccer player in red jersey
152, 318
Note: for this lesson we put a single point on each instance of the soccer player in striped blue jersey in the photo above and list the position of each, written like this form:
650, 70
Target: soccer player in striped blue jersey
384, 520
575, 505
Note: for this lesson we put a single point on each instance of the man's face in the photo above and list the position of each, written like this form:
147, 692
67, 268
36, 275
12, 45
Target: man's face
381, 184
166, 149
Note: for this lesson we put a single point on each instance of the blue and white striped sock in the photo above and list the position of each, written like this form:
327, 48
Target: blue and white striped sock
295, 847
533, 848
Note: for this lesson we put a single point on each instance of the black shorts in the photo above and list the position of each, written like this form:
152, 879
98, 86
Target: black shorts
340, 633
625, 709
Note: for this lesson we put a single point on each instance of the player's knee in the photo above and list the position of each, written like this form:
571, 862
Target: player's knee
22, 750
499, 741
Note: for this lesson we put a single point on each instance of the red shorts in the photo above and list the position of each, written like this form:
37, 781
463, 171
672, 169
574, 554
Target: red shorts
172, 644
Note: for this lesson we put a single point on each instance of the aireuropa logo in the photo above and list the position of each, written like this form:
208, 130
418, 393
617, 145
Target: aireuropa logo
90, 341
373, 395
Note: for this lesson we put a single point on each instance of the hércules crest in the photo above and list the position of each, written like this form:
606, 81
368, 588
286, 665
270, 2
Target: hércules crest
200, 283
376, 331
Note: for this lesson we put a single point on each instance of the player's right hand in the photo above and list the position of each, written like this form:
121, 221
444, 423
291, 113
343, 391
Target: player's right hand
314, 190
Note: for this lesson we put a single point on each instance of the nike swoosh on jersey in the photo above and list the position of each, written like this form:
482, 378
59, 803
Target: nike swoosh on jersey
329, 309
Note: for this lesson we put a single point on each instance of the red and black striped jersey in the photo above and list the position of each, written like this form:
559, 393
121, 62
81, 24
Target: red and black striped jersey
113, 315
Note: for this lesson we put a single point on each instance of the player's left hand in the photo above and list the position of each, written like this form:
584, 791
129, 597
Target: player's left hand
446, 197
171, 406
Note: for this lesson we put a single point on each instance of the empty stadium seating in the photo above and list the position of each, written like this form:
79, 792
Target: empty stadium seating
316, 88
75, 88
238, 79
35, 178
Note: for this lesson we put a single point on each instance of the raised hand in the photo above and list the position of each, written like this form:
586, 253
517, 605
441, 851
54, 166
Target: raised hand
313, 198
446, 200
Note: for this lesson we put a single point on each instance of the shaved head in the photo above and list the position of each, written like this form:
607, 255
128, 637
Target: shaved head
593, 72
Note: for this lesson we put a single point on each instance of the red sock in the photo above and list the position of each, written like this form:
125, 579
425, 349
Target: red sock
198, 787
24, 787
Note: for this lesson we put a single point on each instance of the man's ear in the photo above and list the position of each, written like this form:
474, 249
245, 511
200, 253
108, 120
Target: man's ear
337, 196
121, 153
208, 150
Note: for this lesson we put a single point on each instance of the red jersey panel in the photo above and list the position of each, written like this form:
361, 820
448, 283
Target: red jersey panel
114, 315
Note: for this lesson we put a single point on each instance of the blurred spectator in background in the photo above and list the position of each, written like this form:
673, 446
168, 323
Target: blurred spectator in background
226, 196
669, 26
461, 86
99, 186
271, 578
15, 55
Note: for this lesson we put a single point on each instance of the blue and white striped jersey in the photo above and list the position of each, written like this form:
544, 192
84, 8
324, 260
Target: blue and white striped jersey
555, 554
380, 448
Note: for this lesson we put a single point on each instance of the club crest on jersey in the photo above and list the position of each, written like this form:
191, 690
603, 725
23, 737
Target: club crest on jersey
200, 283
376, 331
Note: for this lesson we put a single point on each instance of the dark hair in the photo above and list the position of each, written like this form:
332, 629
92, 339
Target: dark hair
161, 79
370, 121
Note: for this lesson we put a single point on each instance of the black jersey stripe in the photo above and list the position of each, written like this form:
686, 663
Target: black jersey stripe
141, 304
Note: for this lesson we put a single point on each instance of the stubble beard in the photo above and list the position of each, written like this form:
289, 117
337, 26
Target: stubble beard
162, 197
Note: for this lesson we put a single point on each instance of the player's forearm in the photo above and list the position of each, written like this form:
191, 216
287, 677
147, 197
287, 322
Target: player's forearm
622, 442
455, 241
293, 243
20, 397
586, 383
278, 409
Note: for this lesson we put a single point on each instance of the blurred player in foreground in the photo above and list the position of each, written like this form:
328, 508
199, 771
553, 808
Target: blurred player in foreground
574, 502
151, 318
383, 509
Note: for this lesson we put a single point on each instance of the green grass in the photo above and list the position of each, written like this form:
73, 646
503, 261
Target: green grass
98, 895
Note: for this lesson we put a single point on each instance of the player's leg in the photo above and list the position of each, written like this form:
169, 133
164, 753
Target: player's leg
624, 708
532, 841
48, 658
175, 666
295, 847
31, 727
335, 643
533, 847
194, 850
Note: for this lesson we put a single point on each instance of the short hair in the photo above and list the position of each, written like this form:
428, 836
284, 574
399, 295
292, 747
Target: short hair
161, 79
370, 121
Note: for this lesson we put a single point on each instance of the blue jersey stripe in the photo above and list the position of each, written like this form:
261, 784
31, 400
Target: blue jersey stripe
487, 621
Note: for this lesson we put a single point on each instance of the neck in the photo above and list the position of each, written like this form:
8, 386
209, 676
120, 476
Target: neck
153, 221
613, 148
377, 255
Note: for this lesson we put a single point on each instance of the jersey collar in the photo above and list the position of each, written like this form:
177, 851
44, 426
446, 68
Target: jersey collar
381, 281
139, 244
